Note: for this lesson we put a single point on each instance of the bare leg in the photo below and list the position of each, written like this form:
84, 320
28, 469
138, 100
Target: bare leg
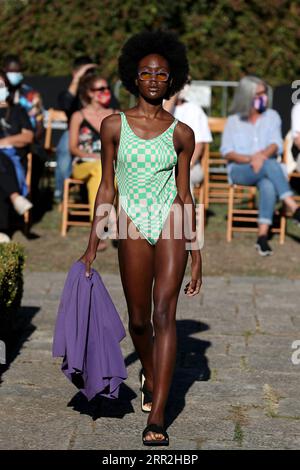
169, 267
136, 262
140, 263
263, 229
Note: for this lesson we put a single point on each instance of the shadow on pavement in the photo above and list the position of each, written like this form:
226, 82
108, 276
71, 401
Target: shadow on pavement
101, 407
191, 366
21, 329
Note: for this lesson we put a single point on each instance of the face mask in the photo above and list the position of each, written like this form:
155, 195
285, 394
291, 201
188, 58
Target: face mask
260, 103
14, 77
104, 97
3, 93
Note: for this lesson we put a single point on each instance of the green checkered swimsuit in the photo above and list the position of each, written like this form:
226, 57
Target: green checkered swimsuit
146, 178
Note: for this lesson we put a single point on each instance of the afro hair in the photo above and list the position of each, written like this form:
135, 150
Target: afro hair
164, 43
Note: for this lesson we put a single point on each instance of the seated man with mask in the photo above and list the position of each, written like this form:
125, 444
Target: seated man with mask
23, 94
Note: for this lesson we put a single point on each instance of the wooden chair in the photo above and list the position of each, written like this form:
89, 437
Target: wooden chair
199, 190
216, 186
217, 124
239, 214
288, 142
54, 115
71, 185
72, 208
244, 215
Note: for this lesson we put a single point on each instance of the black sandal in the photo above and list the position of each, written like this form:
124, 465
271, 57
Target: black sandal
146, 395
158, 430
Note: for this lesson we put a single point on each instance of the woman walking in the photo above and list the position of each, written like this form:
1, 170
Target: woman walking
149, 152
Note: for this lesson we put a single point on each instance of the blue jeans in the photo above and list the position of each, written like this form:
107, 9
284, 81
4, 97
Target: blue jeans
63, 168
270, 181
11, 153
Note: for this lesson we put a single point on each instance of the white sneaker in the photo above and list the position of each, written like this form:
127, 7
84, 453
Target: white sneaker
21, 205
4, 238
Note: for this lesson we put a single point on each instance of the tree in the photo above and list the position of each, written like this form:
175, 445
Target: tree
225, 38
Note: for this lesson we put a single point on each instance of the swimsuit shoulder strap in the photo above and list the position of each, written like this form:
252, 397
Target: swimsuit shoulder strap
174, 124
123, 118
124, 123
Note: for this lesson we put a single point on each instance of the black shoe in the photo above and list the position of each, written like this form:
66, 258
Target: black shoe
158, 430
296, 216
263, 246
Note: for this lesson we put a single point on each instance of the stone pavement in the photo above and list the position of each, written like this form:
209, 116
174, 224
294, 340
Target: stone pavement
235, 385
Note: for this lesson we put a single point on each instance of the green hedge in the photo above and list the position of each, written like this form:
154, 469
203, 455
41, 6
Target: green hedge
11, 282
225, 38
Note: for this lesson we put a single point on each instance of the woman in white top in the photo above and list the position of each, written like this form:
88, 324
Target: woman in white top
193, 115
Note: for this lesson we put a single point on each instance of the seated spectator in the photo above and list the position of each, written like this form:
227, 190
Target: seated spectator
85, 144
251, 142
69, 102
23, 94
15, 136
296, 134
193, 115
31, 102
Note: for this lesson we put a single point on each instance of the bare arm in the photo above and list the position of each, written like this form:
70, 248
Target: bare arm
169, 105
18, 140
110, 128
239, 158
198, 152
186, 144
256, 160
73, 87
269, 151
75, 122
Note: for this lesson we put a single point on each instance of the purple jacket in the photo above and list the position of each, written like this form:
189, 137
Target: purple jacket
87, 334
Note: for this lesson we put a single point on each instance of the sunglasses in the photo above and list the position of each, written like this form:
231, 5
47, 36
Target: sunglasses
158, 76
101, 88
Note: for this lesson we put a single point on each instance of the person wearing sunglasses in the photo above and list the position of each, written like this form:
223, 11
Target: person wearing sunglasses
70, 102
149, 152
84, 135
